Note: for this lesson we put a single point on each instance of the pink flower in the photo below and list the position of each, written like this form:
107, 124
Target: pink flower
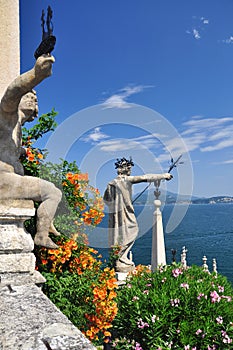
148, 285
176, 272
135, 298
186, 347
146, 292
228, 298
184, 285
154, 318
138, 347
219, 320
201, 295
175, 302
164, 280
220, 289
142, 324
226, 338
198, 331
215, 297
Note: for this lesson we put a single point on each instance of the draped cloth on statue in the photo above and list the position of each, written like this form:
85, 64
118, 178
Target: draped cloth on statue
123, 227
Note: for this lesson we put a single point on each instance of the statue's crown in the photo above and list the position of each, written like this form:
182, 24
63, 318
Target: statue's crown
123, 162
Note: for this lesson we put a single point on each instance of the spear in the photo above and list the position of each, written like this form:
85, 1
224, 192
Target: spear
173, 165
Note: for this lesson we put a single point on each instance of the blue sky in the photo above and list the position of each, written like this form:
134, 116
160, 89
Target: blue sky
148, 79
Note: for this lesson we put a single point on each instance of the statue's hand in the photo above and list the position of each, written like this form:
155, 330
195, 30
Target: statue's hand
43, 66
168, 176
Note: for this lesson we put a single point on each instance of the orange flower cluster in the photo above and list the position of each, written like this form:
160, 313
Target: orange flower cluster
105, 306
140, 270
33, 155
73, 178
76, 258
85, 198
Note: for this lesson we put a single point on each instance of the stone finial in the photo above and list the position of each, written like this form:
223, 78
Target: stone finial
215, 266
183, 257
205, 266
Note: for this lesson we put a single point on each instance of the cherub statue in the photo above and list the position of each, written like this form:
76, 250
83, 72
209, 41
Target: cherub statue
19, 105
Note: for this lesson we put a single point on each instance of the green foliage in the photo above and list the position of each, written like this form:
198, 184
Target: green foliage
33, 157
46, 123
81, 204
175, 308
79, 286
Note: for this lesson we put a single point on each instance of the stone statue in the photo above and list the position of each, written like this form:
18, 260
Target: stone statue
123, 227
18, 105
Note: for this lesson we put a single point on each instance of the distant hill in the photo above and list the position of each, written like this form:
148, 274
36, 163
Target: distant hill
171, 198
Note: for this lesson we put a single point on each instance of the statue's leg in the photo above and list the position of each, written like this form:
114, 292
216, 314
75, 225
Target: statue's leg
36, 189
50, 198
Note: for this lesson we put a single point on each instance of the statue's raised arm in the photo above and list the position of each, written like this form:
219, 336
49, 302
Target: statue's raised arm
26, 82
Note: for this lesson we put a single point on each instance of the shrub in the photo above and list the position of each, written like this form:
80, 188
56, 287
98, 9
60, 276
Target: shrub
76, 280
174, 308
79, 286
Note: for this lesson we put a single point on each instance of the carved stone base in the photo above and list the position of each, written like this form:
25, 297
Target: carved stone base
17, 262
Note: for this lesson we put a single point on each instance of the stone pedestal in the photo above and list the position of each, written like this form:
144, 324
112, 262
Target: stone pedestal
17, 262
158, 256
121, 276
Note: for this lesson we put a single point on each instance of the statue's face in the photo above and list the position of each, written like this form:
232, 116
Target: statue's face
126, 170
29, 107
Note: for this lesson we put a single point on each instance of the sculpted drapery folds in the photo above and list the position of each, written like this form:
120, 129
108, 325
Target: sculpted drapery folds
123, 227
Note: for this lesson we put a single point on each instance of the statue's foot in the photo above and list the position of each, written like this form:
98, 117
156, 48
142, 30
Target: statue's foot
53, 230
44, 242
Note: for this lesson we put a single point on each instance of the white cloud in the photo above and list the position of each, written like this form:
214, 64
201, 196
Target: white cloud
218, 146
119, 100
142, 142
196, 34
230, 161
204, 20
228, 40
198, 27
208, 134
95, 136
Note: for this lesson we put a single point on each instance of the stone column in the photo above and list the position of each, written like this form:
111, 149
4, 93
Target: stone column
9, 43
158, 256
17, 261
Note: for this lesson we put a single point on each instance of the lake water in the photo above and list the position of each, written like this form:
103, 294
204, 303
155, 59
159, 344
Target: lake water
205, 230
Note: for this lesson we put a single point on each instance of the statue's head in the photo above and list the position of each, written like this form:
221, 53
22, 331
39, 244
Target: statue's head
124, 166
28, 107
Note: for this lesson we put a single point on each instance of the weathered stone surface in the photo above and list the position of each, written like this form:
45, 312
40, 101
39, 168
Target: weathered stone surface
20, 278
14, 239
16, 207
24, 262
29, 321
